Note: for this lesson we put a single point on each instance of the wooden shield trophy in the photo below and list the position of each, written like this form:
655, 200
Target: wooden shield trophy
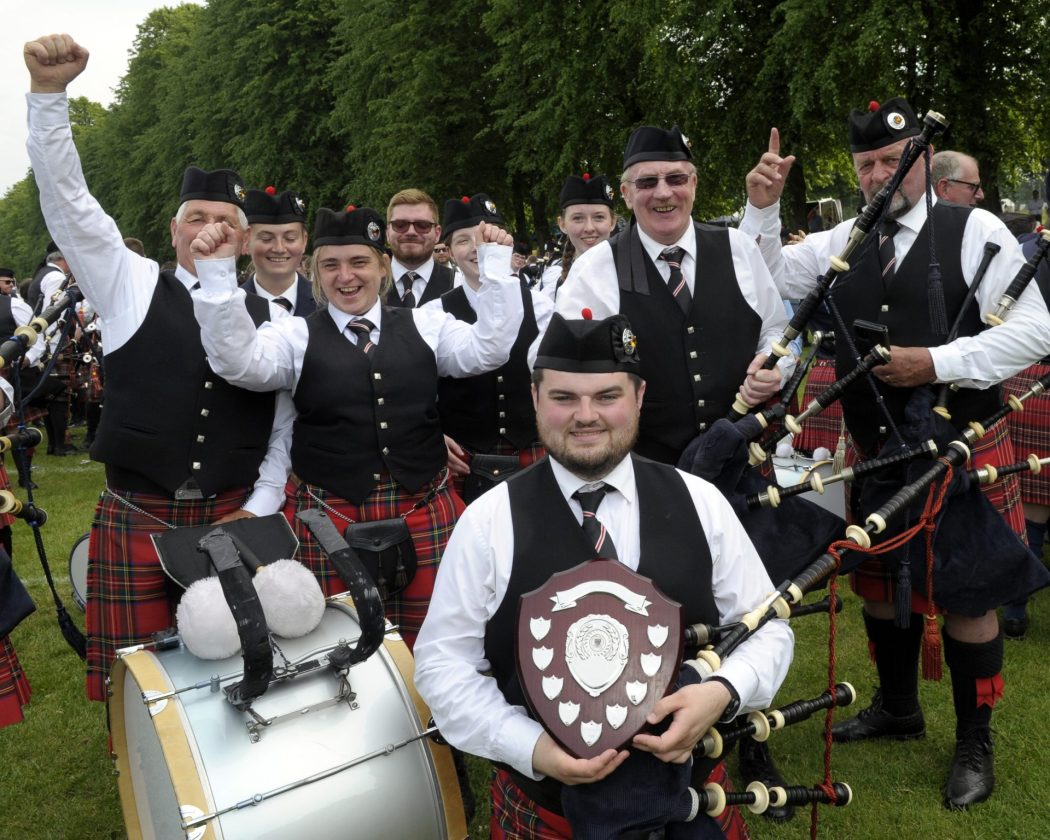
597, 646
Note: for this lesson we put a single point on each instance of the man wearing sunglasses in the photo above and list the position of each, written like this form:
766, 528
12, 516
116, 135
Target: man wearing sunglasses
957, 179
700, 298
412, 232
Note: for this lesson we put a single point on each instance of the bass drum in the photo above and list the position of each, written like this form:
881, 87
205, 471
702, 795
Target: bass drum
189, 768
795, 468
78, 563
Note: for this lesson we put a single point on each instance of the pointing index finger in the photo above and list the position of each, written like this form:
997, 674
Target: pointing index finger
774, 141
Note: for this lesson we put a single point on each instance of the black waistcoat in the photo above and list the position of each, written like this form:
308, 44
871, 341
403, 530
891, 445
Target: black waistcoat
904, 308
168, 418
479, 410
360, 415
7, 317
548, 539
692, 365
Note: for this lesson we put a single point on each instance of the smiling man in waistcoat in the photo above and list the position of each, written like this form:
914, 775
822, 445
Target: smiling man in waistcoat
700, 294
669, 526
181, 446
891, 283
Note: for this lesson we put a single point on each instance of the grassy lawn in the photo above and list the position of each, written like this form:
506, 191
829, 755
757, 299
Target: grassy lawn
56, 779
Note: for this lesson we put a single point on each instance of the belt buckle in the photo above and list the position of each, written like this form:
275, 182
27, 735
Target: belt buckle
189, 490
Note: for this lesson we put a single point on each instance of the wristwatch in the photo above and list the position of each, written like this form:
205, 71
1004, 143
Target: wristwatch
733, 707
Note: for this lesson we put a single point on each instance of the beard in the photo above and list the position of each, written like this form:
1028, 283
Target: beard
593, 462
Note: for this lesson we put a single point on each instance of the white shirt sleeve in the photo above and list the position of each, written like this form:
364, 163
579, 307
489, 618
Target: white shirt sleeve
267, 494
591, 284
467, 705
119, 282
9, 402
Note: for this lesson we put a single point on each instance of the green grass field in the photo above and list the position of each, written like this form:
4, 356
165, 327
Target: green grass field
57, 781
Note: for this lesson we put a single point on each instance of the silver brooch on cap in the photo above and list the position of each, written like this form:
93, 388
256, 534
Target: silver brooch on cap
373, 231
629, 341
609, 192
300, 205
895, 120
490, 206
238, 191
688, 143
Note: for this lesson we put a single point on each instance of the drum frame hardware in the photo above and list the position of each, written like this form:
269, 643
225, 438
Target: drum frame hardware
258, 798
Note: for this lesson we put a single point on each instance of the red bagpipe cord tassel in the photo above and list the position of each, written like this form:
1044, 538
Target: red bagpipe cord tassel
931, 631
989, 690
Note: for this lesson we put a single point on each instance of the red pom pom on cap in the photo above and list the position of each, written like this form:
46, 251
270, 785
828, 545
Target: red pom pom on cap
271, 190
465, 199
350, 208
873, 106
586, 176
587, 314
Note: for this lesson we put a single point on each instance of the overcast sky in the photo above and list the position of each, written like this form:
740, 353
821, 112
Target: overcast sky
106, 27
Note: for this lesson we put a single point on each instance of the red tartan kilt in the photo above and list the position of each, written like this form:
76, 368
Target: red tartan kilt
822, 430
876, 581
128, 595
526, 458
14, 687
1030, 431
516, 817
430, 527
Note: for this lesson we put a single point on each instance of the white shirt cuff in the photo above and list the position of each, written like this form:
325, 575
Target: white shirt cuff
218, 278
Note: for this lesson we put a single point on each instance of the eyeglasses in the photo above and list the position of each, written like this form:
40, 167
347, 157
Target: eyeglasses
402, 225
672, 179
441, 249
973, 187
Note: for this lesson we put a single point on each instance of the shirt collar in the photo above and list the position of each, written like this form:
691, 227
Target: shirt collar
620, 478
288, 294
424, 271
915, 218
341, 318
654, 248
188, 280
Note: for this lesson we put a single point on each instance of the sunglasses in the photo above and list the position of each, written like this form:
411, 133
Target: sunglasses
441, 249
402, 225
649, 182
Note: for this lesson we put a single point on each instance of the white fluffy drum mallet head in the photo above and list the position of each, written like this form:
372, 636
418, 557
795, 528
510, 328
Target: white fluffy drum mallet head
206, 625
291, 598
784, 449
821, 453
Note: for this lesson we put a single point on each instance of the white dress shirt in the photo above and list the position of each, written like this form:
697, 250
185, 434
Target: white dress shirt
542, 306
419, 285
979, 361
119, 282
472, 580
593, 284
272, 356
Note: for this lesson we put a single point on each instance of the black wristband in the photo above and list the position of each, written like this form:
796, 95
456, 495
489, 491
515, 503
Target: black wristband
734, 700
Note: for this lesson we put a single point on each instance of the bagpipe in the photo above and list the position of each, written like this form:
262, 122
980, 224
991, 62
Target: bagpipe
932, 124
61, 313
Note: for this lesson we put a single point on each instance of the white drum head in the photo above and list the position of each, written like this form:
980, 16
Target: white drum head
78, 563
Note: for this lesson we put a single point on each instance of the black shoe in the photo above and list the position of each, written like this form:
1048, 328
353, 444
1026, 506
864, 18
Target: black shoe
973, 771
876, 722
1015, 628
28, 485
756, 765
67, 450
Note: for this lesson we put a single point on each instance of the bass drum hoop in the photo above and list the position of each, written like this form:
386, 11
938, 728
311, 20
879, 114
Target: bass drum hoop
185, 766
78, 581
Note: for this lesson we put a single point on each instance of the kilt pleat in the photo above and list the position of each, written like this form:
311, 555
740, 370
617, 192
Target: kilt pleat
14, 687
822, 430
128, 595
1030, 431
430, 526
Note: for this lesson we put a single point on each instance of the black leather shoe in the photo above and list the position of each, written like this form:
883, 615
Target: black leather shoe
1015, 628
973, 772
876, 722
28, 485
67, 450
756, 765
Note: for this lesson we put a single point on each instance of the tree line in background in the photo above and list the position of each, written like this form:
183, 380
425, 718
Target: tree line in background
352, 100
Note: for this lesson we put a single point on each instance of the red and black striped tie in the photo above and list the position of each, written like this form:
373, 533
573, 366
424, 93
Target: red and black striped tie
408, 299
887, 252
363, 327
592, 526
679, 288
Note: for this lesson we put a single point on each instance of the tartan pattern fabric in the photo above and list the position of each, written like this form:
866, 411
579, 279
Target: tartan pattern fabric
516, 817
430, 527
14, 687
822, 430
876, 581
526, 457
128, 595
1030, 432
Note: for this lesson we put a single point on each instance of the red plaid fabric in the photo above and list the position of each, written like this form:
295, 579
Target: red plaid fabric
128, 595
430, 527
822, 430
526, 457
875, 581
1030, 431
516, 817
14, 687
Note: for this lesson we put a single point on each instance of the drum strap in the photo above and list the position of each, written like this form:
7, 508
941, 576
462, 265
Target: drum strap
362, 588
236, 582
